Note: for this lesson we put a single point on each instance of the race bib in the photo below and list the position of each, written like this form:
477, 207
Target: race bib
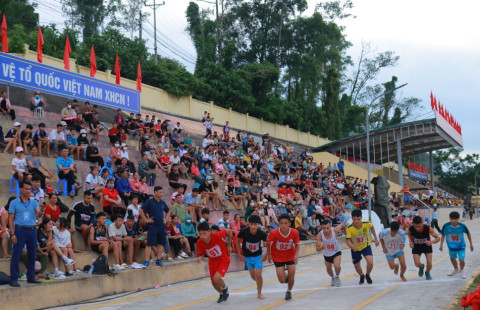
420, 241
455, 238
393, 246
330, 246
216, 251
252, 247
360, 240
283, 246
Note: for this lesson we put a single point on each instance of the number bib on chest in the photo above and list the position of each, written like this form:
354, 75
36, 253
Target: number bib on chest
252, 247
216, 251
283, 246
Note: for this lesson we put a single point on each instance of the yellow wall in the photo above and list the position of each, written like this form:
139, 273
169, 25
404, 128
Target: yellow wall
350, 169
158, 99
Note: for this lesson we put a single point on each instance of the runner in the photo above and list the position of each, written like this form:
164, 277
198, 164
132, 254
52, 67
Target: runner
358, 240
420, 243
332, 252
453, 232
393, 242
252, 250
212, 245
284, 247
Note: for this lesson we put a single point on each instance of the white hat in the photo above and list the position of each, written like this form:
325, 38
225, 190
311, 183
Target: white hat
260, 203
265, 200
16, 124
83, 131
63, 123
19, 149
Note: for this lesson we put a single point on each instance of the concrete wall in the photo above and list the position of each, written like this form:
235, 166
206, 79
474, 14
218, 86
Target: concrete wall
156, 98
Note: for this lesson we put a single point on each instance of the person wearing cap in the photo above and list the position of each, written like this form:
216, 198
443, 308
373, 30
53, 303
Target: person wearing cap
40, 138
12, 138
58, 138
163, 159
38, 102
19, 166
5, 106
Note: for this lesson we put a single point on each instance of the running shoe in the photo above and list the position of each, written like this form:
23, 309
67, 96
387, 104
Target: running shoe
464, 275
420, 271
59, 275
184, 255
178, 257
124, 265
333, 282
338, 283
453, 272
220, 299
70, 262
369, 280
428, 276
288, 295
118, 267
225, 294
169, 259
146, 263
362, 280
159, 262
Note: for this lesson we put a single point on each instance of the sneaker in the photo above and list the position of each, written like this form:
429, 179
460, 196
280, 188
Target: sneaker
220, 299
70, 262
333, 282
428, 276
146, 263
59, 275
118, 267
420, 271
288, 295
369, 280
453, 272
464, 275
179, 257
124, 265
184, 255
78, 271
225, 294
338, 283
159, 262
362, 280
169, 259
23, 277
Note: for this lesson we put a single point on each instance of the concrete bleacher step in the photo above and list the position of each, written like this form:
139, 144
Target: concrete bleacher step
83, 287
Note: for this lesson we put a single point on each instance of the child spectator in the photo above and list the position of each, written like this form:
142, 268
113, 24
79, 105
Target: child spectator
12, 138
118, 234
175, 238
40, 139
19, 166
64, 242
26, 138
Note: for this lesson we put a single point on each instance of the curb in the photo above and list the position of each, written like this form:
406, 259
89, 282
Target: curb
462, 291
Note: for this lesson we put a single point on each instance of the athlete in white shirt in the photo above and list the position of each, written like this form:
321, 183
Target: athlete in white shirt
393, 242
332, 252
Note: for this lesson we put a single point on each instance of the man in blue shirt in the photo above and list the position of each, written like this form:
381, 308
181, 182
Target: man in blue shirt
191, 200
453, 232
23, 214
65, 170
154, 211
123, 187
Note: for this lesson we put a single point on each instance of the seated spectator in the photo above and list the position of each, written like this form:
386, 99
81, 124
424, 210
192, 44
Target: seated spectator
191, 200
118, 233
178, 208
236, 224
115, 153
175, 139
139, 187
94, 183
108, 166
26, 138
175, 238
87, 112
19, 166
84, 212
173, 179
38, 102
51, 210
65, 170
37, 193
63, 239
34, 163
133, 209
40, 139
4, 234
114, 134
233, 197
207, 192
5, 106
12, 138
123, 187
58, 138
312, 224
164, 160
219, 169
144, 170
112, 202
195, 172
178, 128
123, 167
188, 140
93, 155
47, 247
68, 114
118, 119
101, 242
73, 145
95, 126
224, 222
188, 230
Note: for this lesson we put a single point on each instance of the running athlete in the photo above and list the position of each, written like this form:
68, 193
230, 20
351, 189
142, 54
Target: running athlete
212, 245
420, 243
284, 247
332, 252
358, 240
393, 241
252, 250
453, 232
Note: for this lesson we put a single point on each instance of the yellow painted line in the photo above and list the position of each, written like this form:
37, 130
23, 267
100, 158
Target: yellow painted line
176, 289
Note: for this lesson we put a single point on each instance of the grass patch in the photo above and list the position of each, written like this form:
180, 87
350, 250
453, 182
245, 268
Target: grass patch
471, 288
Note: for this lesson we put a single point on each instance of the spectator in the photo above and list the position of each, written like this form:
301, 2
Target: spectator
58, 138
226, 130
63, 239
115, 153
233, 197
118, 119
188, 140
118, 234
38, 102
144, 170
4, 234
112, 202
236, 224
224, 222
175, 238
19, 166
40, 138
5, 106
95, 126
139, 187
84, 212
123, 187
87, 112
299, 225
12, 138
100, 241
65, 170
93, 155
73, 145
133, 231
26, 138
51, 210
94, 183
108, 167
173, 178
188, 231
178, 128
34, 163
133, 209
192, 203
68, 114
208, 125
179, 208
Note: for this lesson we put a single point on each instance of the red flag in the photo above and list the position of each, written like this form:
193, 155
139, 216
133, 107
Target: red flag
446, 115
440, 108
4, 35
40, 45
139, 78
435, 102
93, 63
66, 54
117, 70
431, 101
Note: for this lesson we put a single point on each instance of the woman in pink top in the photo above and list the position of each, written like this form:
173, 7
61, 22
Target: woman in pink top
235, 224
135, 182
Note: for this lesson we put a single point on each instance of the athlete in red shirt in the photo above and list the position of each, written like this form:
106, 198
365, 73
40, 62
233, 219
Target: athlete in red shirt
284, 247
213, 246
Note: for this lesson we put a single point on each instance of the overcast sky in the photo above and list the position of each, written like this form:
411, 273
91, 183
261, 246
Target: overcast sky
437, 41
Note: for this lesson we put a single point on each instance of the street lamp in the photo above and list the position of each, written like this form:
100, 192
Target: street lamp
369, 168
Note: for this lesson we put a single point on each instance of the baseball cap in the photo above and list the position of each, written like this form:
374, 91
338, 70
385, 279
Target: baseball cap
19, 149
83, 131
16, 124
63, 123
209, 177
265, 200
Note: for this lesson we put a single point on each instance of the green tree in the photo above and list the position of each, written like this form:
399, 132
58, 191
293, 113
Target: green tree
20, 12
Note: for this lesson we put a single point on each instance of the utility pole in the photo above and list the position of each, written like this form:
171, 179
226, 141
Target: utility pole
155, 6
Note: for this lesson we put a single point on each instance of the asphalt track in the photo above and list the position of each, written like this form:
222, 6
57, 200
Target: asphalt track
312, 287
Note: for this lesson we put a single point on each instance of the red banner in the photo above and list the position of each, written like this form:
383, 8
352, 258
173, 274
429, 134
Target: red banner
444, 113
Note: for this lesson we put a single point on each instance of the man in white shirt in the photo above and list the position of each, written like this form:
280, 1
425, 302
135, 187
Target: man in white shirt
118, 233
58, 138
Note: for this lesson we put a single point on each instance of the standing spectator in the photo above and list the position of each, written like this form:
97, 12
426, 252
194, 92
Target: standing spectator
38, 102
12, 138
208, 125
65, 170
226, 130
179, 208
40, 138
93, 155
5, 106
58, 138
84, 213
154, 211
119, 119
22, 219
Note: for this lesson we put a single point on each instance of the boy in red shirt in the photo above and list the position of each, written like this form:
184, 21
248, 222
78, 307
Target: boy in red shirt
284, 247
212, 245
